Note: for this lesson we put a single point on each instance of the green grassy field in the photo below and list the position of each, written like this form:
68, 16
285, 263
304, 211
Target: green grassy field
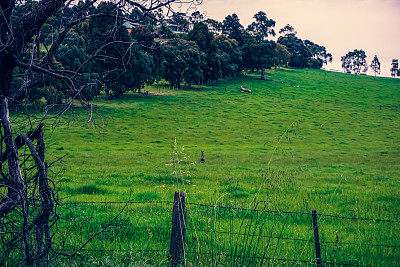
304, 140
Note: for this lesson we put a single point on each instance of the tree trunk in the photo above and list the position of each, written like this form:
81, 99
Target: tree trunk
7, 66
15, 183
263, 74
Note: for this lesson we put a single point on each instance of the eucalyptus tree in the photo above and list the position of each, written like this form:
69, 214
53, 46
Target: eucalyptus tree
233, 29
319, 55
395, 67
300, 53
196, 17
204, 39
230, 55
259, 54
28, 206
214, 26
288, 30
376, 65
183, 62
281, 55
262, 27
127, 67
355, 62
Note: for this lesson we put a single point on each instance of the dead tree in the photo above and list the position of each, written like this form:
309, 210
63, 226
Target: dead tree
27, 199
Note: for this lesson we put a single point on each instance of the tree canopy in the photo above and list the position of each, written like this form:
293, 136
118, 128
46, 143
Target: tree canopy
376, 65
262, 27
394, 70
355, 62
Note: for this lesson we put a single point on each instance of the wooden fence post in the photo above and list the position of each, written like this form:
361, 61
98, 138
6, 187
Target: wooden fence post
316, 239
178, 231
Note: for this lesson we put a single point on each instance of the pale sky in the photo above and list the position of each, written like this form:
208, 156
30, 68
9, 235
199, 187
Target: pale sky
339, 25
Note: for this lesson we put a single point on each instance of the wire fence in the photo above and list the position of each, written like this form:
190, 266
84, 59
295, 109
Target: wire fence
224, 235
230, 208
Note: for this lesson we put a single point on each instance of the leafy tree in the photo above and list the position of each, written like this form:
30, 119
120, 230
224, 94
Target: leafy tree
281, 55
183, 62
319, 55
144, 18
230, 56
180, 19
72, 54
300, 53
202, 37
196, 17
127, 66
262, 27
395, 67
355, 62
205, 41
232, 28
214, 26
376, 65
148, 43
143, 36
259, 56
288, 30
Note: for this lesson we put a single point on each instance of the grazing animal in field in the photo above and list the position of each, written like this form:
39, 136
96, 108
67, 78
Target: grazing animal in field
244, 90
202, 160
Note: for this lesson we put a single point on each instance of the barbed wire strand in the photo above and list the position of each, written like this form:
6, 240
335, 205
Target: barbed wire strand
233, 208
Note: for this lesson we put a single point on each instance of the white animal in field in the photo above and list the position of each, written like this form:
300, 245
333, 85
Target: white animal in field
244, 90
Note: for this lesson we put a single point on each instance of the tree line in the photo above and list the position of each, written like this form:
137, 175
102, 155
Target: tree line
355, 62
117, 54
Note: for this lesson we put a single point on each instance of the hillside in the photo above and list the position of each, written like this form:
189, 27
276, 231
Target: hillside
331, 124
304, 140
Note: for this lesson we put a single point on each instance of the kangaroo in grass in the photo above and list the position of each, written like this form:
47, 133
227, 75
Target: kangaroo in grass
202, 160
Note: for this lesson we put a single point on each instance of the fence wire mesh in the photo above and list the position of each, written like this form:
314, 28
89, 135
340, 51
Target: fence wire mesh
223, 235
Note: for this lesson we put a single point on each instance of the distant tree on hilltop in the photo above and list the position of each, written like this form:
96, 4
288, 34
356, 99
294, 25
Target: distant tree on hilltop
319, 55
376, 65
395, 68
355, 62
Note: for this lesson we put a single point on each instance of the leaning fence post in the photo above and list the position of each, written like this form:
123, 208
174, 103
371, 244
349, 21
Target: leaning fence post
316, 239
178, 231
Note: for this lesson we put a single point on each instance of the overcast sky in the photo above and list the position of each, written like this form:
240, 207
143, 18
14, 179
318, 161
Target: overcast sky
339, 25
